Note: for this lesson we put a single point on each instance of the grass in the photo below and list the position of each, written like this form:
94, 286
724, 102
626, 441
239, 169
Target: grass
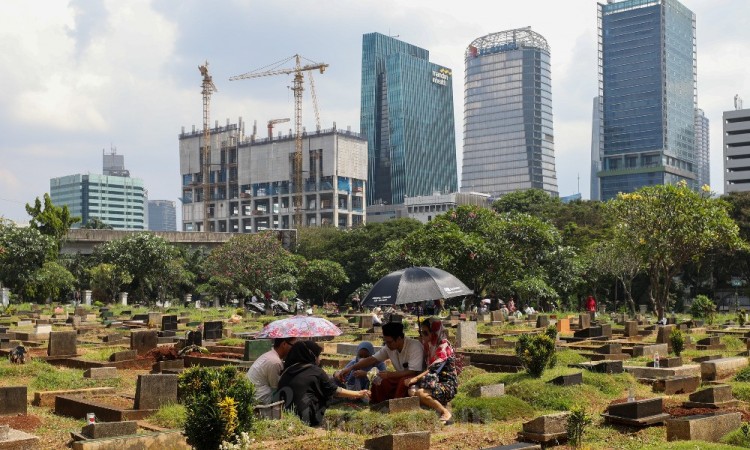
288, 427
170, 416
62, 378
485, 410
364, 421
99, 354
232, 342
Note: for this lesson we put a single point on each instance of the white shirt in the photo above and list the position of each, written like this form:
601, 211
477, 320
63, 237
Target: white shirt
264, 374
410, 358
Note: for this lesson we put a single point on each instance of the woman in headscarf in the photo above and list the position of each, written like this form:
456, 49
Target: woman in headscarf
437, 385
305, 387
357, 379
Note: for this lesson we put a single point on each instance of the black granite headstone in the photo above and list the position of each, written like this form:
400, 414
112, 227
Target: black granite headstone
212, 330
169, 323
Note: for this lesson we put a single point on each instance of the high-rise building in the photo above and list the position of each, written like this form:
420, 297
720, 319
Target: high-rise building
508, 137
250, 184
162, 215
407, 117
596, 147
647, 81
702, 148
119, 202
737, 150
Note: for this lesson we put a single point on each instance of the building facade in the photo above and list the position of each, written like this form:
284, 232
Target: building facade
162, 215
119, 202
702, 148
251, 186
508, 137
647, 81
424, 208
596, 147
737, 151
407, 116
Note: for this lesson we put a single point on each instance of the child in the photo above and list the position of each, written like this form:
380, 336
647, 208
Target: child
357, 379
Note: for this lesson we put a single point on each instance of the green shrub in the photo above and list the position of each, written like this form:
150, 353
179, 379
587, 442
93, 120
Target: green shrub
484, 410
743, 375
703, 307
739, 437
677, 341
219, 404
741, 391
578, 421
741, 318
537, 352
169, 416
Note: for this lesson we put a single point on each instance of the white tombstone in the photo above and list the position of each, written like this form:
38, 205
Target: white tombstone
643, 308
466, 335
198, 304
188, 298
87, 297
6, 296
123, 298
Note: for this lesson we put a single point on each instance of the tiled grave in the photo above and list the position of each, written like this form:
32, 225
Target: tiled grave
638, 413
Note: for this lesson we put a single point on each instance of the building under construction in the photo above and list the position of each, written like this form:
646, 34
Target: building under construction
251, 185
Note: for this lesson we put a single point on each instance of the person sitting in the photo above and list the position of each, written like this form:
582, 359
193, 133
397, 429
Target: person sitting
357, 379
377, 317
437, 385
264, 373
406, 355
306, 388
529, 310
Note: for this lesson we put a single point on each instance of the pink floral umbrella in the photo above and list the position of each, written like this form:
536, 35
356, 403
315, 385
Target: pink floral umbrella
299, 326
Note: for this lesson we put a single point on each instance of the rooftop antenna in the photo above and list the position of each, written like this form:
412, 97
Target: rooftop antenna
392, 35
579, 182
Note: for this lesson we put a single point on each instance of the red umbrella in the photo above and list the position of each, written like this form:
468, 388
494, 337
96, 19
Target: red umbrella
299, 326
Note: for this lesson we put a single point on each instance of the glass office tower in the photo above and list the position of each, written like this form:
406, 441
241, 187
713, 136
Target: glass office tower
647, 80
407, 117
508, 138
702, 148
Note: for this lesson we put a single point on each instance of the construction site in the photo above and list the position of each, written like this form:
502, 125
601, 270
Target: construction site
237, 182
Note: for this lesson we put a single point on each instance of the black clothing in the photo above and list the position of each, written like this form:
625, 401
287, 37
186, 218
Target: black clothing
302, 352
307, 389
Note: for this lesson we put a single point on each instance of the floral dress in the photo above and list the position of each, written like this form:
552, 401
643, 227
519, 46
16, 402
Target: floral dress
442, 377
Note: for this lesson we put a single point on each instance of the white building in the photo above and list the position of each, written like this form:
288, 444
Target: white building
427, 207
737, 151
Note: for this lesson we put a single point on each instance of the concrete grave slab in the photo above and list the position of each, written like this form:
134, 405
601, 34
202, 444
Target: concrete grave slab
110, 429
419, 440
62, 343
466, 336
718, 369
153, 391
13, 400
547, 428
718, 396
125, 355
213, 330
100, 373
563, 325
709, 428
489, 391
568, 380
650, 350
142, 341
397, 405
173, 440
19, 440
638, 413
677, 385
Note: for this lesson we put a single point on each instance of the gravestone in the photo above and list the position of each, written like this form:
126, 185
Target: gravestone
649, 350
62, 343
668, 363
102, 430
142, 341
547, 428
563, 325
153, 391
140, 317
610, 349
717, 396
255, 348
542, 321
568, 380
466, 336
677, 385
13, 400
125, 355
212, 330
194, 338
662, 334
418, 440
584, 321
169, 323
497, 316
710, 343
100, 373
489, 391
170, 364
717, 369
588, 332
365, 321
637, 413
87, 297
154, 318
5, 294
80, 311
705, 427
631, 328
396, 405
123, 298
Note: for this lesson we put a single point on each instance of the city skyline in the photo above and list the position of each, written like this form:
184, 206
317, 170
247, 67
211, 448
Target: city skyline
76, 83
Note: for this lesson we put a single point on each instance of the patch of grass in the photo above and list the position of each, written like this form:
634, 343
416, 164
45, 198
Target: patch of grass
733, 343
30, 369
169, 416
743, 375
232, 342
484, 410
368, 422
566, 357
288, 427
741, 391
739, 437
99, 354
57, 378
611, 385
468, 373
544, 396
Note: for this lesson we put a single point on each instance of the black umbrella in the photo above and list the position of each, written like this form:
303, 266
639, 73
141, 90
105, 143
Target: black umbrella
415, 284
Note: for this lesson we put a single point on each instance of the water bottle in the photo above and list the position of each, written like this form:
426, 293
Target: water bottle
631, 395
656, 359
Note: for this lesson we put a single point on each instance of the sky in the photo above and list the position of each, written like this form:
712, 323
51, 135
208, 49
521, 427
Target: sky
81, 77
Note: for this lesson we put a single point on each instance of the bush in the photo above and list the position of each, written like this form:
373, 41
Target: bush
536, 352
677, 341
743, 375
170, 416
739, 437
484, 410
578, 421
219, 404
703, 307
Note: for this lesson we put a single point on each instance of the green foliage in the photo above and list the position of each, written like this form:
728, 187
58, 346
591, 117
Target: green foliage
703, 307
534, 202
743, 375
51, 220
578, 421
53, 379
366, 422
739, 437
169, 416
109, 278
741, 318
485, 410
537, 352
23, 251
52, 281
95, 223
219, 403
321, 278
677, 340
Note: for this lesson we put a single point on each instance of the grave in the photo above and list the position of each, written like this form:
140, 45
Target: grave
639, 413
516, 446
212, 330
497, 316
650, 350
563, 325
109, 429
397, 405
47, 398
13, 400
100, 373
542, 321
173, 365
677, 385
717, 369
194, 338
142, 341
255, 348
719, 396
670, 362
12, 439
546, 429
705, 427
140, 317
154, 319
489, 391
169, 323
568, 380
584, 321
419, 440
710, 343
153, 391
125, 355
662, 334
466, 336
62, 343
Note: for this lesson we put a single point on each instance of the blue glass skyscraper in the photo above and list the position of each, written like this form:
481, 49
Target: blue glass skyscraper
647, 81
407, 117
508, 137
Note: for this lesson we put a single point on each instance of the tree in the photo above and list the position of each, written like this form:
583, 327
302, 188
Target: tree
95, 223
321, 278
620, 262
52, 281
23, 252
51, 220
109, 278
667, 226
535, 202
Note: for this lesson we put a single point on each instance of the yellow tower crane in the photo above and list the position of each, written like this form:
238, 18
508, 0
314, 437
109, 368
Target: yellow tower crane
208, 88
297, 88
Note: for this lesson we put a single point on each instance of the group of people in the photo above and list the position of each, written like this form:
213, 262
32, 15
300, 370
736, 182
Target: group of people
426, 368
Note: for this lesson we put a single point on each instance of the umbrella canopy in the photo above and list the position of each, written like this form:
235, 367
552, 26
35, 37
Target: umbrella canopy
299, 326
415, 284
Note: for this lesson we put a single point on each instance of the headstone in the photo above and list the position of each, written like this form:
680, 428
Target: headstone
662, 335
13, 400
212, 330
643, 308
87, 297
169, 323
466, 336
365, 321
718, 369
62, 343
5, 294
42, 330
584, 321
650, 350
666, 362
547, 428
140, 317
563, 325
497, 316
631, 328
489, 391
568, 380
712, 397
154, 319
255, 348
419, 440
125, 355
123, 298
170, 364
677, 385
153, 391
588, 332
110, 429
100, 373
639, 409
610, 349
397, 405
706, 427
142, 341
542, 321
194, 338
80, 311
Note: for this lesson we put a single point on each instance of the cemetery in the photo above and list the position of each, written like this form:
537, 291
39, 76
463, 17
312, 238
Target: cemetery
113, 377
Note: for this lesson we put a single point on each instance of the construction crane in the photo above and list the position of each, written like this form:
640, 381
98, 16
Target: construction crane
208, 88
297, 88
273, 122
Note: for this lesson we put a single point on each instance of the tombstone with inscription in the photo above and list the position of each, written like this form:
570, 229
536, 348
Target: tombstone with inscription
153, 391
142, 341
466, 336
62, 343
212, 330
169, 323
